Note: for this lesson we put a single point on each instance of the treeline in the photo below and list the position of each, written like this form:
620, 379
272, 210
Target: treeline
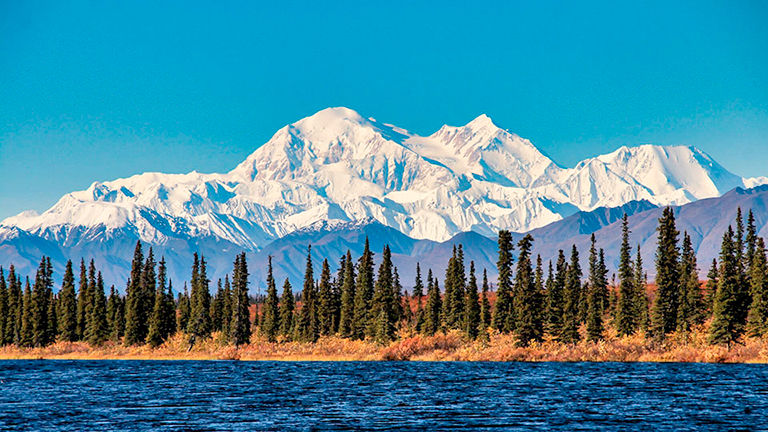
361, 301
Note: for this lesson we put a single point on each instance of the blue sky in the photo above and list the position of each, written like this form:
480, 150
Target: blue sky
95, 91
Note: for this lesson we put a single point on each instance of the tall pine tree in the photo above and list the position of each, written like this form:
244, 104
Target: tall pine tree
667, 301
504, 314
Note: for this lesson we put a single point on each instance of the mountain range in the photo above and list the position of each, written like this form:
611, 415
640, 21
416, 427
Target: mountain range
335, 177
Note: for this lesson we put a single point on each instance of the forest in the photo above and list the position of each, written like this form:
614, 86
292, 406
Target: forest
532, 302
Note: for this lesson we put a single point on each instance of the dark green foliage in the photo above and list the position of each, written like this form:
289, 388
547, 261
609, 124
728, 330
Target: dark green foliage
597, 297
217, 304
307, 325
690, 311
15, 308
485, 304
527, 295
163, 322
96, 330
628, 316
667, 301
182, 304
67, 319
556, 296
270, 322
472, 313
383, 302
226, 307
757, 319
115, 315
363, 293
455, 286
27, 315
42, 332
326, 303
286, 310
743, 286
83, 300
572, 296
241, 319
726, 327
199, 301
347, 313
711, 287
504, 314
139, 299
4, 311
418, 295
432, 310
641, 296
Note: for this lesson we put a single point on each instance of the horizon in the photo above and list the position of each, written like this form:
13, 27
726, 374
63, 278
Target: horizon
95, 93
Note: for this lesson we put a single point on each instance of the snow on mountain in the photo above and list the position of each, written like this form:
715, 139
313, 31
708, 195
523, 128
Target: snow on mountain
338, 166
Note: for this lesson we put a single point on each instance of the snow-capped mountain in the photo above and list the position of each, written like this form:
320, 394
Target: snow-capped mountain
338, 165
337, 169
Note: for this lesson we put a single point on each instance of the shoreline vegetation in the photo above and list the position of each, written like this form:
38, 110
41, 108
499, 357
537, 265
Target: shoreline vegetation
451, 346
535, 313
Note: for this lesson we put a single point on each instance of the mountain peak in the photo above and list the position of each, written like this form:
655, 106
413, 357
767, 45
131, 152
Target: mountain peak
481, 121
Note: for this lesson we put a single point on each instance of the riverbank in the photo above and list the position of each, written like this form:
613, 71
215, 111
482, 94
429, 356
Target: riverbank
440, 347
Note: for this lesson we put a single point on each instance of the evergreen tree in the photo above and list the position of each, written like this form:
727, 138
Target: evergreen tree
307, 326
757, 319
627, 314
432, 311
742, 287
455, 290
217, 304
691, 309
555, 296
485, 304
4, 310
136, 312
27, 315
67, 319
711, 287
42, 334
418, 296
241, 319
17, 305
363, 293
347, 316
596, 293
184, 309
163, 313
326, 313
641, 281
115, 321
270, 323
200, 301
527, 299
398, 312
667, 301
226, 308
96, 330
383, 302
503, 314
726, 327
472, 314
83, 300
286, 310
750, 242
572, 295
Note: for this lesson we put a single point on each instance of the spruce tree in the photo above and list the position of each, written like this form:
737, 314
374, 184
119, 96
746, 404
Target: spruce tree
418, 296
503, 314
472, 305
184, 310
398, 312
757, 318
136, 315
325, 302
596, 292
83, 300
217, 302
347, 315
42, 334
555, 297
67, 319
4, 310
27, 315
163, 313
667, 301
307, 328
432, 311
627, 314
527, 299
199, 301
363, 293
572, 295
485, 304
383, 302
286, 310
726, 327
226, 308
750, 241
10, 329
691, 308
641, 282
96, 330
711, 286
270, 323
113, 315
742, 287
241, 319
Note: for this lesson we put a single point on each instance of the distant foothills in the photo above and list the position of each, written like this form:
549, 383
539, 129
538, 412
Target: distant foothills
529, 305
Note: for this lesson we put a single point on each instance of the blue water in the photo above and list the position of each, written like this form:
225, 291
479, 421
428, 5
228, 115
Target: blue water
158, 395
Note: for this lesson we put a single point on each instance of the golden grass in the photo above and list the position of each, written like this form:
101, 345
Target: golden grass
450, 346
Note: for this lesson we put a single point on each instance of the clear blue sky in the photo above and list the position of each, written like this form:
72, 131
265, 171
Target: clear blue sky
100, 90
